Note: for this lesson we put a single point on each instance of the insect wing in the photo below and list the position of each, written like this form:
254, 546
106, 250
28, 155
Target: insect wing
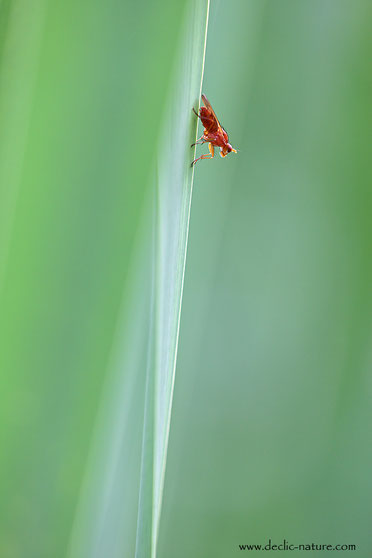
213, 114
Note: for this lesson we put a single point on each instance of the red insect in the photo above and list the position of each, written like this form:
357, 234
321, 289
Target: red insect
213, 134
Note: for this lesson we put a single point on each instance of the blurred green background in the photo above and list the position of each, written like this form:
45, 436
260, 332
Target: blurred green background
271, 421
272, 413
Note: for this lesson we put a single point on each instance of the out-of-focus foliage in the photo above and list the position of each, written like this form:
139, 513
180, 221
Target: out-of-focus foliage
82, 91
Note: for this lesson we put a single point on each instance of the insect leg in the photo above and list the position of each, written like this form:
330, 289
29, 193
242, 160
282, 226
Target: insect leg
206, 156
198, 141
202, 157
